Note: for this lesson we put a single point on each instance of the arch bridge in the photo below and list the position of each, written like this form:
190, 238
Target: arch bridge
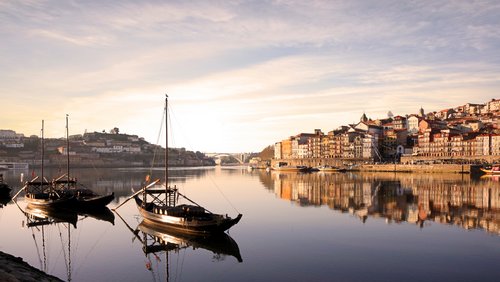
242, 158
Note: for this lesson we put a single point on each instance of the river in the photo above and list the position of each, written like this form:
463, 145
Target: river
295, 227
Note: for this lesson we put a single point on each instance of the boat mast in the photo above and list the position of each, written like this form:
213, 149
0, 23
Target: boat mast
67, 150
166, 143
42, 155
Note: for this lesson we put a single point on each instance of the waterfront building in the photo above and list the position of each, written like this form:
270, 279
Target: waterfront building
413, 122
399, 122
286, 148
370, 148
483, 145
391, 140
314, 144
470, 130
325, 146
495, 144
277, 151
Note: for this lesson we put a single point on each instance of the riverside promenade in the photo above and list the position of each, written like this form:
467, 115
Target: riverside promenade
408, 168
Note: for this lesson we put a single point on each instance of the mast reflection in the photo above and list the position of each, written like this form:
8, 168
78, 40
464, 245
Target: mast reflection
38, 220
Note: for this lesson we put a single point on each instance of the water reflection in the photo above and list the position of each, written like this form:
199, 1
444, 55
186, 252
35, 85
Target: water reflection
40, 220
4, 200
448, 199
161, 242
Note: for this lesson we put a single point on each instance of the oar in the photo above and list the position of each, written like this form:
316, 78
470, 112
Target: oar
136, 193
22, 189
129, 228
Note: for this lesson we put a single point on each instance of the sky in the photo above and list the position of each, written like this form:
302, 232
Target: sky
240, 75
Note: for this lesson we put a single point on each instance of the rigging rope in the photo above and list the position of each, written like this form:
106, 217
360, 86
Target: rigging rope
209, 176
157, 143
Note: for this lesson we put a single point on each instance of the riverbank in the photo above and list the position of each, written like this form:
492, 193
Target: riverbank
428, 168
398, 167
13, 269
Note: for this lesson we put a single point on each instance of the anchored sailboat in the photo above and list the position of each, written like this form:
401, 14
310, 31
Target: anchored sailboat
85, 198
41, 192
158, 206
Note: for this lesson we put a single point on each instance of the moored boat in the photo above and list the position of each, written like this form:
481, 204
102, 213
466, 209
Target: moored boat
327, 168
158, 205
85, 198
493, 170
40, 192
283, 166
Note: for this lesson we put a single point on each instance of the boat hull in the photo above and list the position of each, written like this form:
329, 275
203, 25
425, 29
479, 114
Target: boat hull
204, 224
490, 171
43, 200
332, 169
292, 169
94, 202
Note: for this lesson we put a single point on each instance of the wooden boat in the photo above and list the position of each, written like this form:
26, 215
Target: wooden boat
158, 206
42, 193
282, 166
493, 170
327, 168
85, 198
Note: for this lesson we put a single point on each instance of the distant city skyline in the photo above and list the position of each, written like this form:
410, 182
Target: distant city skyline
240, 75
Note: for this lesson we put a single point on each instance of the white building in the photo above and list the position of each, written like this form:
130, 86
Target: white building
413, 121
277, 150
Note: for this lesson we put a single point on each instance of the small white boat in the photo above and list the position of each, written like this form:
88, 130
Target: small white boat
493, 170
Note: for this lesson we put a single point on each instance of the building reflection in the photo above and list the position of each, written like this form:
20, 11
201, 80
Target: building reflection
448, 199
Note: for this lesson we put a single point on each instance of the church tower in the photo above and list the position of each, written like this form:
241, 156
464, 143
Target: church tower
363, 118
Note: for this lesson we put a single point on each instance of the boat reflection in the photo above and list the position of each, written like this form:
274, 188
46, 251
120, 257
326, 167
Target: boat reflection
419, 199
39, 220
157, 240
163, 239
38, 216
4, 200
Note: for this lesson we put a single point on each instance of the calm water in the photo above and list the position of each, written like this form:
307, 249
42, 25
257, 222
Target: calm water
295, 227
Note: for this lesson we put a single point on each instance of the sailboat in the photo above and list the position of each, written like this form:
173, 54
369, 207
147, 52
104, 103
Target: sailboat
491, 170
41, 192
85, 198
158, 206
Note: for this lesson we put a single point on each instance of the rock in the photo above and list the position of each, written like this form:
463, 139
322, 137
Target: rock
14, 269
